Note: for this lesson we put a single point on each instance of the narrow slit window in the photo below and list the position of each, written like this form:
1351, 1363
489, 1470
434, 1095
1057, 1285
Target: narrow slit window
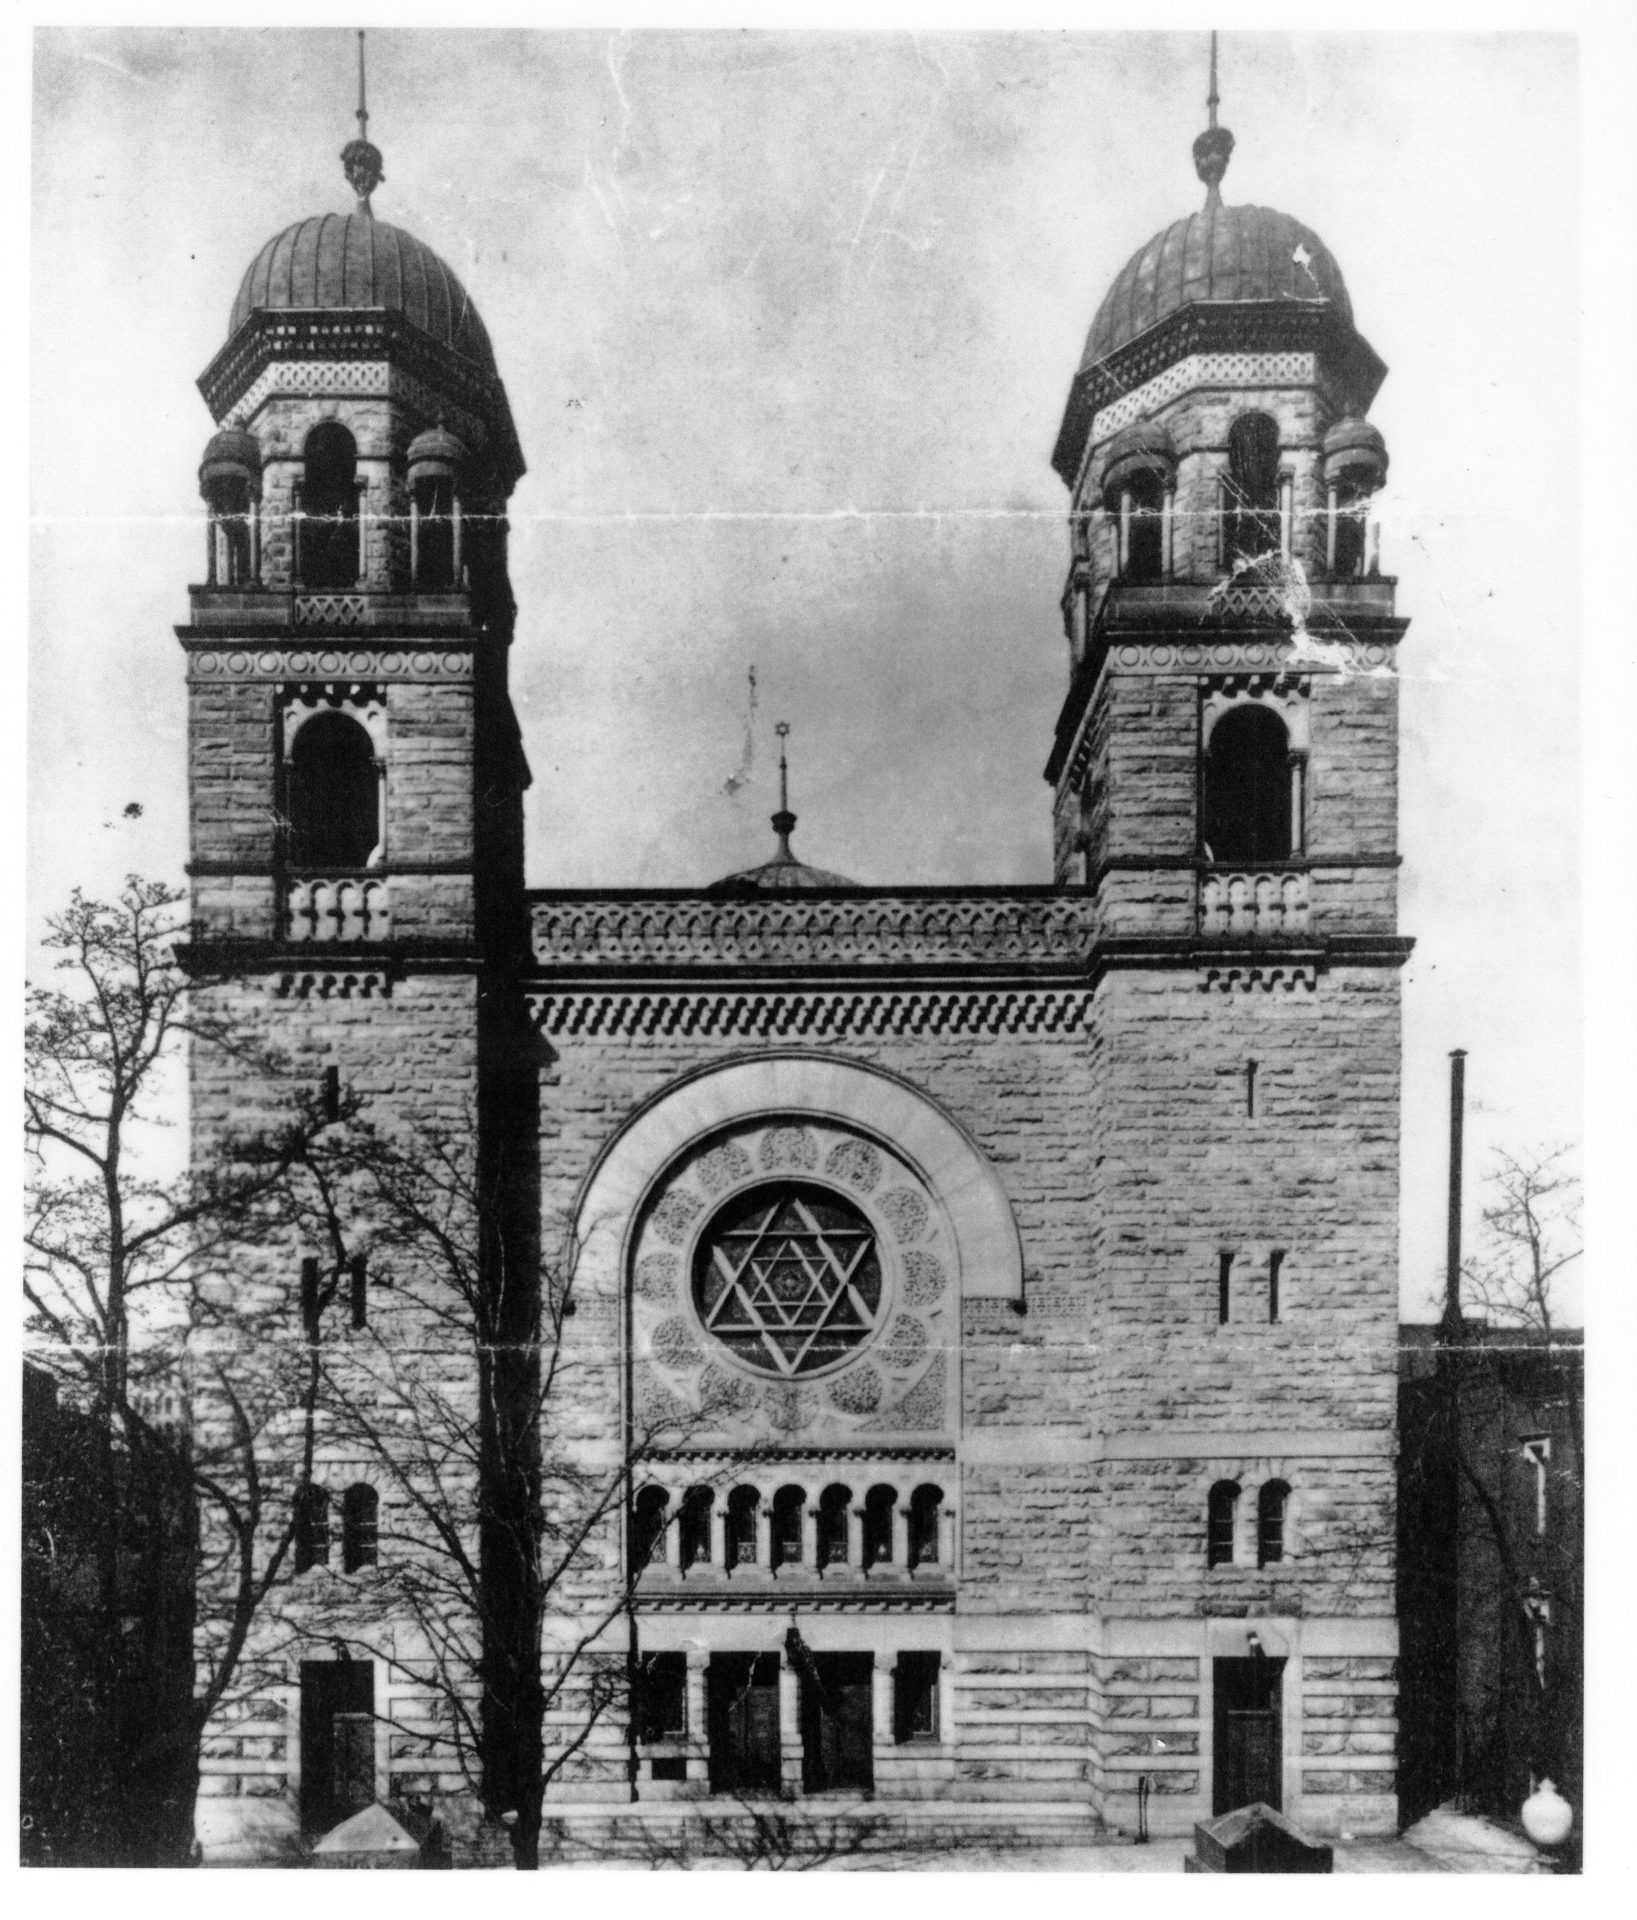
925, 1505
744, 1512
695, 1542
1250, 1089
648, 1527
1270, 1523
360, 1527
834, 1522
1224, 1286
789, 1507
359, 1277
1276, 1261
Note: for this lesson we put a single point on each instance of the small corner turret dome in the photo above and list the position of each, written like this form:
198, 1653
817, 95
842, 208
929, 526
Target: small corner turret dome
1143, 447
436, 451
1219, 254
231, 453
340, 261
1354, 446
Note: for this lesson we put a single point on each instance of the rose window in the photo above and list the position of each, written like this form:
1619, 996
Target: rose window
788, 1278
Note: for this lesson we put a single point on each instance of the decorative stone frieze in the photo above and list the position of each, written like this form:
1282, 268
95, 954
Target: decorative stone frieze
806, 1015
330, 664
876, 931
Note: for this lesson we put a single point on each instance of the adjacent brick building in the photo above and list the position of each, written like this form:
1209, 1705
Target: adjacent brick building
983, 1298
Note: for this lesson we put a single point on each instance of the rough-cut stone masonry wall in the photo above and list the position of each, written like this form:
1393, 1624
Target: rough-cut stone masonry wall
1353, 765
407, 1376
1184, 1173
1144, 1717
1022, 1723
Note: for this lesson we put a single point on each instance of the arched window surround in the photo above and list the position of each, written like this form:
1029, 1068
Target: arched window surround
1273, 1541
369, 714
1222, 1524
312, 1527
1288, 700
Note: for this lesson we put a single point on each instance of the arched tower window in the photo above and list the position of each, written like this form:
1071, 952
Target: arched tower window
312, 1542
1145, 528
1221, 1512
1250, 489
924, 1506
1246, 812
334, 794
1270, 1522
648, 1527
327, 551
360, 1527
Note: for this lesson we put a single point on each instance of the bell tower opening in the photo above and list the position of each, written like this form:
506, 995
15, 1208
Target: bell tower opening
327, 547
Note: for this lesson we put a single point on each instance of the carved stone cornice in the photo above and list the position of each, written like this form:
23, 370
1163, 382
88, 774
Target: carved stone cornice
969, 932
446, 661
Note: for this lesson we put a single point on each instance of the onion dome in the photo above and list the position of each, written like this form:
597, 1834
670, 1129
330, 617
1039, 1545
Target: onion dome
339, 261
435, 452
784, 872
1218, 254
1143, 447
1355, 448
231, 454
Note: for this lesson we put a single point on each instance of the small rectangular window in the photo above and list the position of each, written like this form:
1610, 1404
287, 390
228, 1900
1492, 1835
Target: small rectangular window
1224, 1271
662, 1697
1276, 1261
1250, 1089
915, 1697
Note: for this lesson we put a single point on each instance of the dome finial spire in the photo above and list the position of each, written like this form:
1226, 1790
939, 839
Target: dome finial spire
361, 161
1214, 146
784, 821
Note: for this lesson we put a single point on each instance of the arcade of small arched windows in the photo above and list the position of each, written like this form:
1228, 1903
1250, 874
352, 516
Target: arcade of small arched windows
1268, 1545
822, 1529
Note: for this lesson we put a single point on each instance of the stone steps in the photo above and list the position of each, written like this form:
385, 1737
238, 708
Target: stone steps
806, 1833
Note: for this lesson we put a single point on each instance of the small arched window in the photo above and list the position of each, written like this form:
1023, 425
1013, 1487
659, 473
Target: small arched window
834, 1520
648, 1527
1270, 1522
360, 1527
335, 803
1247, 797
744, 1509
1250, 489
1144, 529
327, 525
879, 1503
925, 1504
789, 1507
694, 1532
312, 1517
1222, 1511
1351, 529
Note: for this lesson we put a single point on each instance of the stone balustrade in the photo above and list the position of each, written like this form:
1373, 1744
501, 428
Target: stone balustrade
1253, 905
340, 911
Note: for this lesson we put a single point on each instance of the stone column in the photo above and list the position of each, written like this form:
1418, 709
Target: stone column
900, 1535
789, 1726
946, 1538
671, 1533
1287, 500
1330, 528
881, 1730
414, 539
1298, 834
719, 1535
1123, 555
809, 1535
1168, 524
454, 514
695, 1725
255, 539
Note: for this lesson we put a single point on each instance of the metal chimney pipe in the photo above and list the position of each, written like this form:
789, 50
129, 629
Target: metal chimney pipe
1452, 1268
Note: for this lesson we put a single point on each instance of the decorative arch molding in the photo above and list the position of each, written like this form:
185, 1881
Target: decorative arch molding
988, 1251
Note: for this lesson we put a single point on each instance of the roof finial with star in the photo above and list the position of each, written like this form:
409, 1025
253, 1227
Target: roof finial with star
360, 159
784, 821
1214, 147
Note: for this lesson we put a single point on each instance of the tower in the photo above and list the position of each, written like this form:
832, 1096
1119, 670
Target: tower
356, 778
1224, 776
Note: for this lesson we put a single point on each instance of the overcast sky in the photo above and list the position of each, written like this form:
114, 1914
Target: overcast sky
788, 322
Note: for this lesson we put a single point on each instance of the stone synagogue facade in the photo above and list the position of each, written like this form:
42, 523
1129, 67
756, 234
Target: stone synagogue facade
984, 1298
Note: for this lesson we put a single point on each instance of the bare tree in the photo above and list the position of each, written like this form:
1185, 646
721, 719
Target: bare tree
117, 1261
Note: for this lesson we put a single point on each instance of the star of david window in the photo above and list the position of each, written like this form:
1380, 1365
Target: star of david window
788, 1278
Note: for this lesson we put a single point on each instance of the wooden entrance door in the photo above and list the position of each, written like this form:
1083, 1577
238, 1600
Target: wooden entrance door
337, 1741
1249, 1737
742, 1708
837, 1724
